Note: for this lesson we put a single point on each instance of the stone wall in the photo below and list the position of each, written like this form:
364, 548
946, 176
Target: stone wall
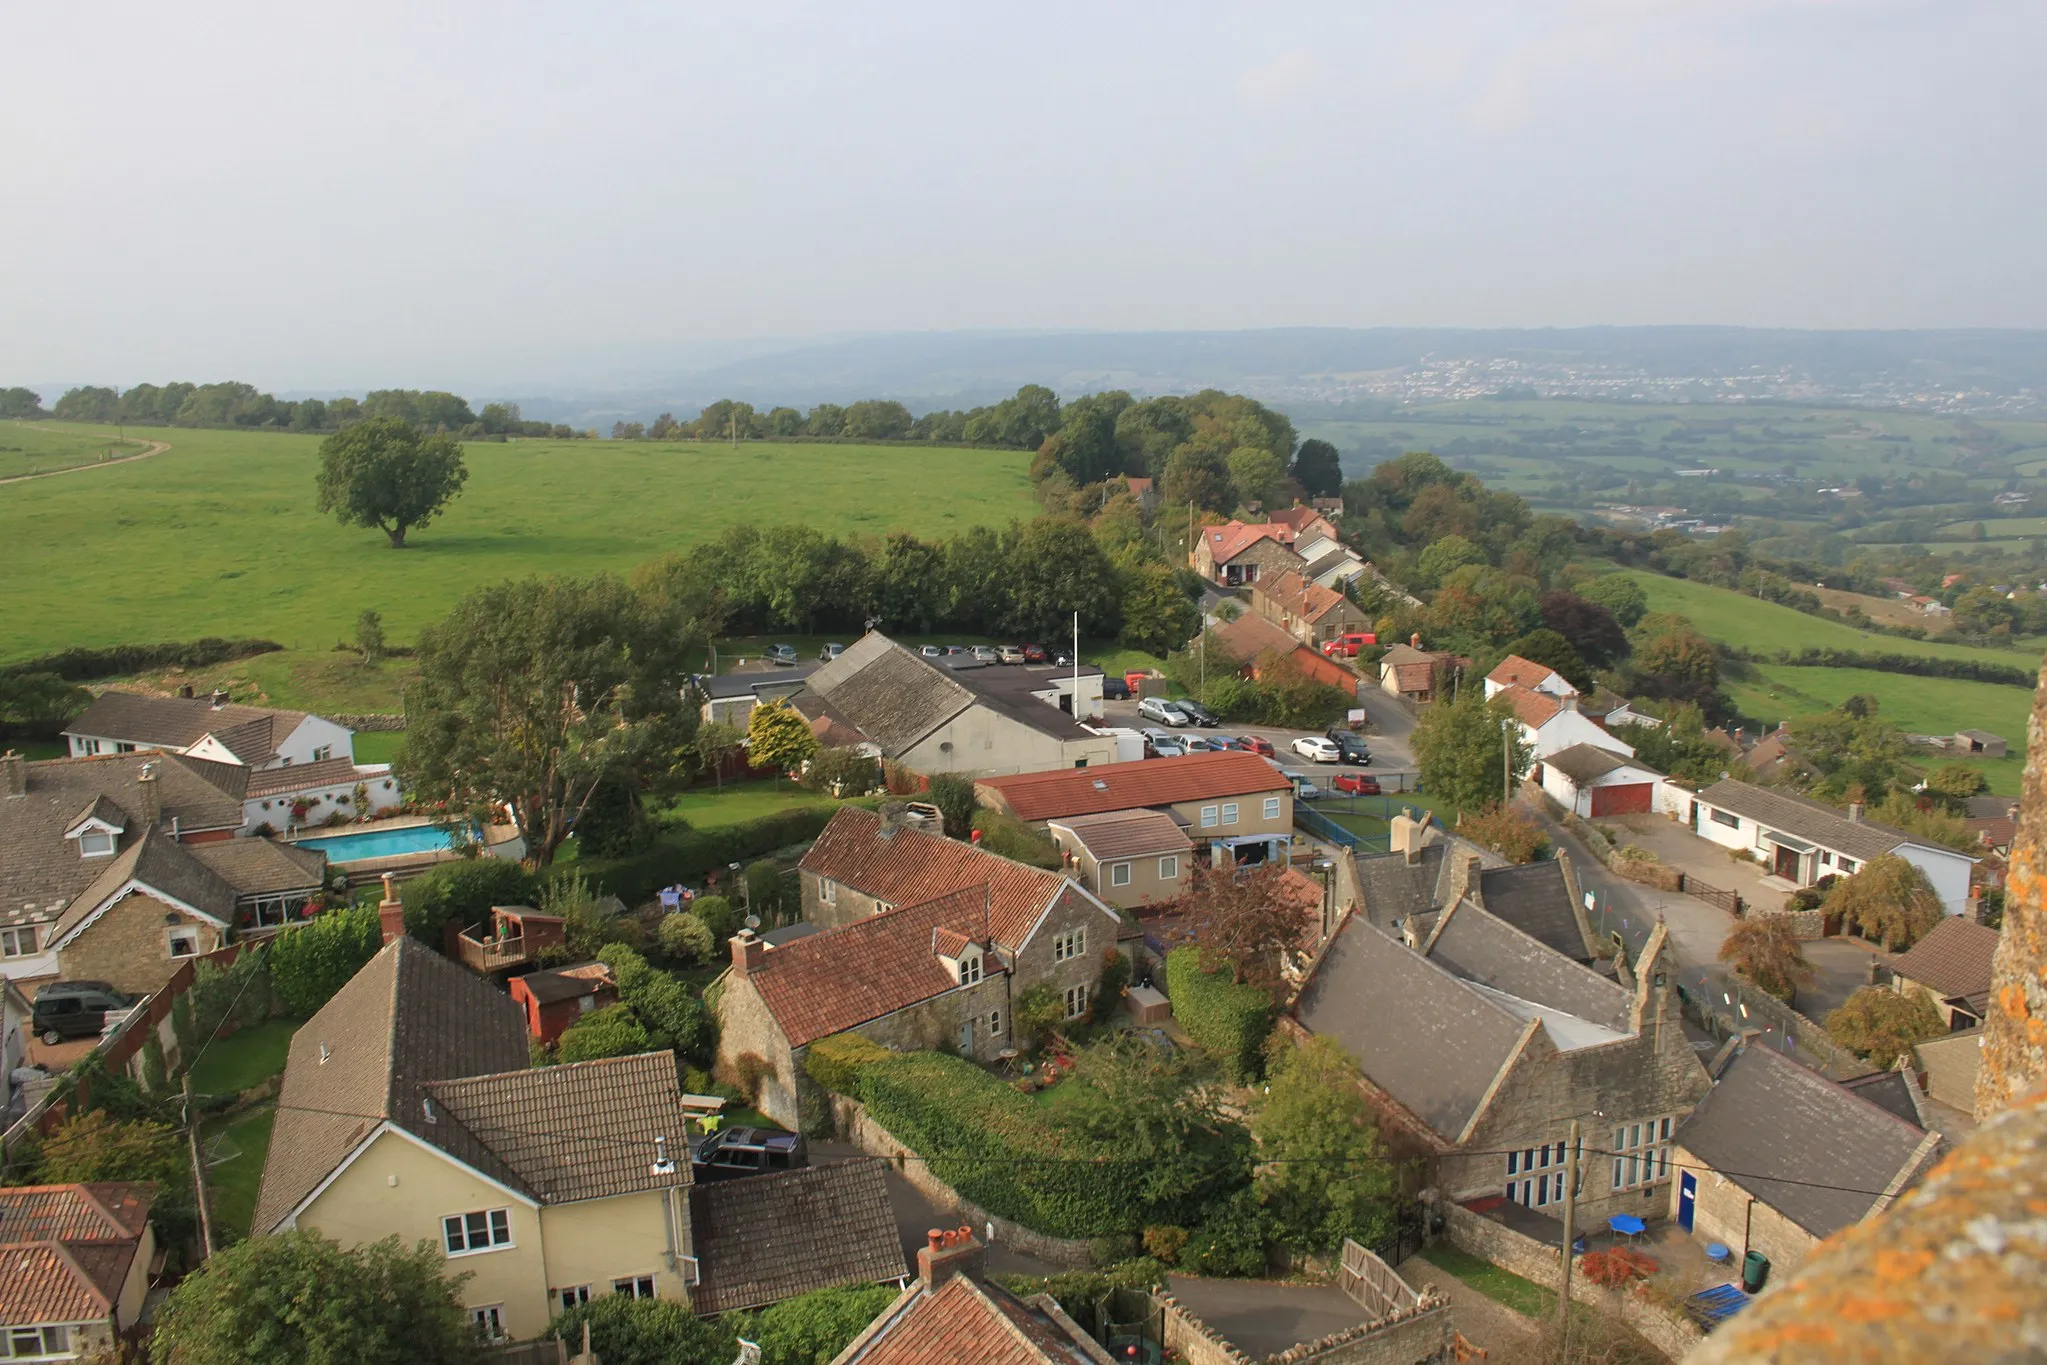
1408, 1336
129, 944
1674, 1336
1662, 876
1806, 924
367, 720
850, 1121
1767, 1011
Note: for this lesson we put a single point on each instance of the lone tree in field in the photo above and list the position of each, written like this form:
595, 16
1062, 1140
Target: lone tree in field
1889, 900
385, 473
1765, 951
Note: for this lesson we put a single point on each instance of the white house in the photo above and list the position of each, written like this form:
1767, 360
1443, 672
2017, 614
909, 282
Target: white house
1515, 671
212, 728
308, 794
1592, 782
1551, 724
1803, 841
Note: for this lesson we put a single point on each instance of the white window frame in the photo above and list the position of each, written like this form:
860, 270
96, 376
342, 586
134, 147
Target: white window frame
489, 1321
994, 1023
1535, 1175
1076, 1001
1119, 874
11, 941
1169, 868
57, 1341
1209, 815
632, 1285
1069, 945
181, 931
827, 890
496, 1222
970, 969
1230, 812
568, 1296
1847, 865
323, 753
1642, 1153
96, 843
1721, 817
1272, 808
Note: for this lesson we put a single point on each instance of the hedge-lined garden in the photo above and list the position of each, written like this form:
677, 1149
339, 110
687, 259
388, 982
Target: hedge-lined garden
1228, 1020
685, 855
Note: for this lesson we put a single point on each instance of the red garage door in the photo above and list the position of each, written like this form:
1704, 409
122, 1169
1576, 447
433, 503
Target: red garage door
1623, 798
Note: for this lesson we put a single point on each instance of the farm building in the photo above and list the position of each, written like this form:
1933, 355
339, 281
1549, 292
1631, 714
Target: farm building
1592, 782
1978, 743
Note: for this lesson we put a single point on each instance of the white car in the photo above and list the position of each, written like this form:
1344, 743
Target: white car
1163, 711
1317, 749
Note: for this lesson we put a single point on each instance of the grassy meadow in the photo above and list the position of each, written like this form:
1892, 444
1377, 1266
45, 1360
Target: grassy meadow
218, 535
35, 448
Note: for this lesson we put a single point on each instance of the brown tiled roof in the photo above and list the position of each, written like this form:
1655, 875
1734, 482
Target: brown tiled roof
410, 1016
966, 1321
251, 732
1251, 637
906, 866
1398, 654
583, 1130
568, 983
771, 1237
1953, 958
1128, 786
1295, 594
1997, 832
1414, 677
1533, 709
99, 1211
41, 872
68, 1249
254, 867
1232, 538
829, 982
298, 777
1515, 671
1126, 834
160, 863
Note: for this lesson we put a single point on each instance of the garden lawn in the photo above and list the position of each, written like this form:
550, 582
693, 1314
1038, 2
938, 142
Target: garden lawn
738, 802
1525, 1297
232, 1185
378, 746
246, 1058
226, 522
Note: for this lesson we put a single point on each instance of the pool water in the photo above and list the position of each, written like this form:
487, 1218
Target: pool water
380, 843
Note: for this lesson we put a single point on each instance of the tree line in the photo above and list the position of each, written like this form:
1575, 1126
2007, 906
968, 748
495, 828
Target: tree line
234, 404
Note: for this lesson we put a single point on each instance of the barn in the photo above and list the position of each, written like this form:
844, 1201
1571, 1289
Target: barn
1594, 783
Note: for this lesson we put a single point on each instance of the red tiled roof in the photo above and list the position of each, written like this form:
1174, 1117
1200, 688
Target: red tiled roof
1310, 601
1515, 671
1127, 786
1128, 833
1296, 516
95, 1212
827, 983
69, 1249
1232, 538
1534, 709
907, 866
965, 1322
1997, 832
1139, 485
298, 777
1414, 677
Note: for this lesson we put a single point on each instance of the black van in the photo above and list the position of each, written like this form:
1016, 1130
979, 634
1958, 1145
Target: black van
76, 1009
747, 1151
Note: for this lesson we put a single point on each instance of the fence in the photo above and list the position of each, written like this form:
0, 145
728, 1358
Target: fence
1730, 901
1375, 812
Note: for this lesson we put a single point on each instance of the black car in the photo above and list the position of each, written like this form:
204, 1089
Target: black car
1200, 714
1349, 743
733, 1152
1115, 689
76, 1009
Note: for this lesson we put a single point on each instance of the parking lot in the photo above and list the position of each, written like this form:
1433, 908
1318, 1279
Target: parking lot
1388, 734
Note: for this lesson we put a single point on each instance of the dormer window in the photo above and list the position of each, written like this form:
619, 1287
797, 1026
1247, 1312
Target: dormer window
95, 843
970, 967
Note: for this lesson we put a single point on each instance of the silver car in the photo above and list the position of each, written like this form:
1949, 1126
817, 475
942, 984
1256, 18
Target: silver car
985, 654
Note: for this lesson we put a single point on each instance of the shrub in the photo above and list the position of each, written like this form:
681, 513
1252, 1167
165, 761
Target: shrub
609, 1032
1015, 840
1616, 1268
718, 914
764, 888
85, 664
954, 797
837, 1063
841, 772
1038, 1011
1507, 831
629, 1331
686, 938
308, 964
1232, 1241
816, 1326
461, 893
685, 855
1228, 1021
1163, 1242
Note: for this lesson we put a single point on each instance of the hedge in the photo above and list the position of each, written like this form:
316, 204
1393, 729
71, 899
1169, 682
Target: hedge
84, 664
1972, 670
1229, 1021
837, 1063
310, 963
685, 855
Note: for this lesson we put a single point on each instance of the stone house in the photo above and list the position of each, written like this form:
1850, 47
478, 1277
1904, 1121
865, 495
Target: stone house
1951, 968
1231, 799
1777, 1157
78, 1264
1266, 649
1237, 554
1477, 1040
952, 1314
1312, 614
1130, 859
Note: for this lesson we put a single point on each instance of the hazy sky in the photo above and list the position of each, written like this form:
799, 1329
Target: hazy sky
446, 193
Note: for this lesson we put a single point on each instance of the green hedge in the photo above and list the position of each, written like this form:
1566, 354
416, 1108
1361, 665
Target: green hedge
685, 855
1229, 1021
837, 1063
86, 664
1973, 670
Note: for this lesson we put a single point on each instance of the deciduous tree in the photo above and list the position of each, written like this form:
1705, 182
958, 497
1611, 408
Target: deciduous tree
1765, 950
384, 473
1887, 899
1882, 1025
1466, 749
1550, 649
1326, 1174
369, 635
778, 737
1318, 469
1245, 920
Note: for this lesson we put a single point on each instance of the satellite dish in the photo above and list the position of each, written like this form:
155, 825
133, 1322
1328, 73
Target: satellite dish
753, 921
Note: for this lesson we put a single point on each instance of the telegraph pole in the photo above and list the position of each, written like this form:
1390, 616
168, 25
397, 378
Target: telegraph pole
1506, 765
198, 1176
1570, 1236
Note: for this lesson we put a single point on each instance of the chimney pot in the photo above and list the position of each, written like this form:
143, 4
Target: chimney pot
151, 794
185, 691
219, 698
948, 1252
1855, 811
13, 774
1415, 640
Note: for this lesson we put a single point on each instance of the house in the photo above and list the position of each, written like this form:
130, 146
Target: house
1268, 650
1626, 714
729, 698
933, 719
308, 794
1592, 782
952, 1314
1479, 1045
1237, 554
1234, 799
1427, 870
78, 1261
1307, 523
1801, 840
1312, 614
772, 1237
1412, 673
1129, 858
212, 728
1331, 565
1978, 744
1994, 820
1515, 671
116, 868
1950, 966
1146, 492
1551, 724
557, 997
1777, 1157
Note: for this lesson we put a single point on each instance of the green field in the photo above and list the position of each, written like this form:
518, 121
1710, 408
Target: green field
218, 536
1999, 528
37, 449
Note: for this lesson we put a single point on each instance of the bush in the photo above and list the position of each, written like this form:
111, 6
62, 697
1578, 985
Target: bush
719, 916
954, 797
461, 893
765, 889
685, 855
1511, 833
609, 1032
1881, 1025
1618, 1267
841, 772
1228, 1021
1038, 1012
686, 938
1232, 1242
1013, 839
629, 1331
308, 964
1164, 1242
813, 1328
837, 1063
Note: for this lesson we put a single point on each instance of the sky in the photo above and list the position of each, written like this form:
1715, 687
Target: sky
335, 196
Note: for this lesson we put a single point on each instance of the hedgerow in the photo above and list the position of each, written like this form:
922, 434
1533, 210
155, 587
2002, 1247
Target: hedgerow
685, 855
837, 1063
1228, 1021
84, 663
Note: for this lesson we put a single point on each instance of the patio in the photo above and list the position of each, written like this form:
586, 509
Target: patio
1683, 1268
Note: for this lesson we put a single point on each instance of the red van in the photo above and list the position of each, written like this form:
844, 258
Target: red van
1347, 646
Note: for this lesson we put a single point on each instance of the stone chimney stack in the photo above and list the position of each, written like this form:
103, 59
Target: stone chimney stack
152, 795
219, 698
1855, 811
1403, 834
749, 950
13, 774
1464, 881
391, 910
946, 1253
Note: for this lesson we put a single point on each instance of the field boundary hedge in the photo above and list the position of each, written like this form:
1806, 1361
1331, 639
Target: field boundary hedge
1229, 1021
685, 855
89, 664
1967, 670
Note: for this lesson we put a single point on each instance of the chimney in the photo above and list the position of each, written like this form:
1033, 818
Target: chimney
391, 910
152, 798
947, 1253
13, 774
1855, 811
1569, 701
749, 950
1464, 874
185, 691
1415, 640
1403, 834
219, 698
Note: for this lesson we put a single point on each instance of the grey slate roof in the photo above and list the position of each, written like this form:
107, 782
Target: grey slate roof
298, 777
254, 867
1817, 1153
1889, 1091
1586, 762
408, 1017
889, 694
1482, 947
1535, 900
771, 1237
1862, 840
779, 682
157, 861
251, 732
1393, 889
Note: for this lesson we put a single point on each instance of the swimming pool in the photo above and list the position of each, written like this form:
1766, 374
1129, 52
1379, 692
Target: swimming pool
380, 843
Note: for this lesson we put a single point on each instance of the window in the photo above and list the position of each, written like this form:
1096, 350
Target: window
1641, 1153
1076, 1001
1272, 808
1208, 817
1535, 1175
121, 748
994, 1023
489, 1321
184, 942
1721, 817
1169, 868
487, 1230
634, 1287
272, 911
1826, 858
95, 843
1847, 864
970, 970
35, 1343
827, 890
1119, 874
573, 1295
323, 753
1071, 944
1229, 812
17, 942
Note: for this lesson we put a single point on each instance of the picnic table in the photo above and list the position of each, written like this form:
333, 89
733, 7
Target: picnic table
674, 898
1627, 1225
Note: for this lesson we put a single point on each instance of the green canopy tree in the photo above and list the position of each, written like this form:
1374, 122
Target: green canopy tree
1466, 747
778, 737
384, 473
1327, 1175
1887, 899
1057, 569
1443, 556
1318, 469
1882, 1025
1620, 594
1157, 616
1200, 476
1552, 650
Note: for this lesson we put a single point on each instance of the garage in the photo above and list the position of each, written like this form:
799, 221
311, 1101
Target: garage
1624, 798
1593, 783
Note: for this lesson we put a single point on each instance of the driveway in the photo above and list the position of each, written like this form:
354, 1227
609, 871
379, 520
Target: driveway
1262, 1319
916, 1216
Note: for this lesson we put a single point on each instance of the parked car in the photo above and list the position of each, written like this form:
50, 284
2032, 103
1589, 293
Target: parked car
1350, 744
933, 651
1009, 654
1115, 689
1200, 714
76, 1009
1164, 710
1162, 744
1357, 784
831, 652
985, 654
1034, 654
1223, 743
784, 655
1305, 788
955, 651
1195, 744
733, 1152
1318, 749
1061, 659
1256, 744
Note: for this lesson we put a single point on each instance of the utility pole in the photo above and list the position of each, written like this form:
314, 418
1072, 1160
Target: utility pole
1506, 764
198, 1176
1570, 1236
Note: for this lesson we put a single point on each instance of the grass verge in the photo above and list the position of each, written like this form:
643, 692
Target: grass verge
1525, 1297
232, 1185
737, 802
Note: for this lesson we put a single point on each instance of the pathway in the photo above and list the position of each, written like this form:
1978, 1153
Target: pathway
1484, 1321
155, 448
